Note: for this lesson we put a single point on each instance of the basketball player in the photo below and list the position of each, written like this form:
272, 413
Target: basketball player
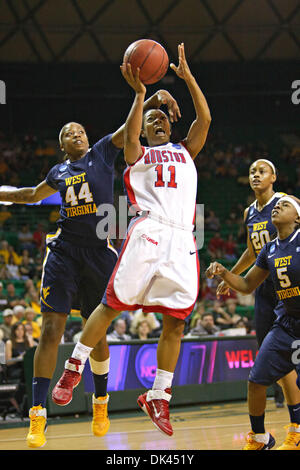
77, 263
279, 260
262, 176
157, 269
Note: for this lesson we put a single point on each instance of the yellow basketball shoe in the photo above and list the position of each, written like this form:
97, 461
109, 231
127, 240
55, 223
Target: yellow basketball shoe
38, 426
292, 440
259, 441
100, 423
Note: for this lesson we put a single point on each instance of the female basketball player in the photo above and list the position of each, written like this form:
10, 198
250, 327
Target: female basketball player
262, 176
257, 217
157, 268
77, 264
279, 260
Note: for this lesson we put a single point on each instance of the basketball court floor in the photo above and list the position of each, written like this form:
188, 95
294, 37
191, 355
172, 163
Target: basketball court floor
209, 427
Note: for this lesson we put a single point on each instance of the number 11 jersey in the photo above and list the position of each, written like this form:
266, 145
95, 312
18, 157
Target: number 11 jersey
163, 181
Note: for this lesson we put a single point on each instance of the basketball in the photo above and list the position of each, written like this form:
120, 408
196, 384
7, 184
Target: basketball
150, 57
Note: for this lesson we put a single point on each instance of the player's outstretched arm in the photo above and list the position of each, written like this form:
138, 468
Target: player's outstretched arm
246, 284
133, 125
197, 134
27, 195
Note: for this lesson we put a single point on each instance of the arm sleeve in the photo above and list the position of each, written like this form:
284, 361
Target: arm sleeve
105, 150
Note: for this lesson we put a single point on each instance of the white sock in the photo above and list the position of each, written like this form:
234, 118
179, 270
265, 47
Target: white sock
163, 380
81, 352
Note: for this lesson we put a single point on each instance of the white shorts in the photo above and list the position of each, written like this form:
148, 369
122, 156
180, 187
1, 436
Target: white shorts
157, 270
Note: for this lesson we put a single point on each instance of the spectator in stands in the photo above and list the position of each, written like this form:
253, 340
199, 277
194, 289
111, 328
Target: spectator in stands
212, 222
13, 255
31, 296
39, 237
4, 214
3, 298
29, 318
216, 246
26, 268
12, 298
230, 248
4, 250
128, 317
245, 323
150, 317
3, 272
12, 270
198, 312
38, 262
119, 331
19, 312
231, 312
15, 348
33, 300
205, 326
143, 331
232, 218
29, 334
209, 290
7, 323
221, 317
25, 237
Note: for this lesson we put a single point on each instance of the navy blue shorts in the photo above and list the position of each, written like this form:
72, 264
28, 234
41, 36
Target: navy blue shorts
265, 303
274, 359
75, 277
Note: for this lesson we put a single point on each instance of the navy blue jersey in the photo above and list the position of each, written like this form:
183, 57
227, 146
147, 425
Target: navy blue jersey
282, 259
259, 223
83, 186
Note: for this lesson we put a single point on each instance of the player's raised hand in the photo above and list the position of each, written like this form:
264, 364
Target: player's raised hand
215, 269
222, 289
133, 79
164, 97
182, 70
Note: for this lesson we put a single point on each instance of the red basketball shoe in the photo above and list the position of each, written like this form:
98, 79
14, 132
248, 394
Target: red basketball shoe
155, 403
63, 390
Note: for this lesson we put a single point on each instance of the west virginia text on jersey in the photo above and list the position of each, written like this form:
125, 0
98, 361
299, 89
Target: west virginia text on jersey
284, 270
84, 185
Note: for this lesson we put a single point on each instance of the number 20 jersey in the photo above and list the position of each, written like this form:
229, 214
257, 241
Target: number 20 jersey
259, 223
163, 181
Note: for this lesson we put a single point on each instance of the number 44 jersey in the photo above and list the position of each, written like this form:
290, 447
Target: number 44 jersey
259, 223
163, 181
84, 185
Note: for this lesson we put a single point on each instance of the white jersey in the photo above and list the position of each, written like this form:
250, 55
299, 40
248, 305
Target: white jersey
163, 181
